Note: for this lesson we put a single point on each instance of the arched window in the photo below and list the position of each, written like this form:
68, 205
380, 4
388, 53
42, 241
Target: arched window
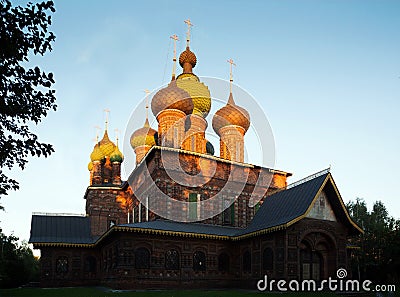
90, 264
199, 261
142, 258
247, 261
223, 262
62, 265
268, 259
172, 260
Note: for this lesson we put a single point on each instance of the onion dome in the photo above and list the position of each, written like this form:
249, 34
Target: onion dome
106, 145
171, 97
231, 114
198, 91
210, 148
187, 60
90, 166
97, 154
116, 155
144, 136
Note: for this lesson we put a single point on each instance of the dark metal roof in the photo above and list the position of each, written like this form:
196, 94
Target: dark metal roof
277, 210
60, 229
287, 205
183, 227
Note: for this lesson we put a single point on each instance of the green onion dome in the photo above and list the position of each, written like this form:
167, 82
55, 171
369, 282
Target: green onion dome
116, 155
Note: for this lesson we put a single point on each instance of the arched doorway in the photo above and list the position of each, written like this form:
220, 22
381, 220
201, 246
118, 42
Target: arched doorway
317, 256
311, 264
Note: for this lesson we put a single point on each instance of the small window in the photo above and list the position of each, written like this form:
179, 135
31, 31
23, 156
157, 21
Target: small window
247, 261
62, 265
228, 215
142, 258
268, 259
192, 206
223, 262
199, 261
172, 260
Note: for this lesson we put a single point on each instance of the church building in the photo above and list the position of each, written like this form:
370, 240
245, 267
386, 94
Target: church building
154, 230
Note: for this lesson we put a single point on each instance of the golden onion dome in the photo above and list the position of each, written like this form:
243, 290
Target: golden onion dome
198, 91
116, 155
231, 114
186, 58
144, 136
106, 145
171, 97
97, 154
90, 166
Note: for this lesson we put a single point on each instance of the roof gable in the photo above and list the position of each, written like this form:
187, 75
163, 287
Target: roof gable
286, 207
322, 209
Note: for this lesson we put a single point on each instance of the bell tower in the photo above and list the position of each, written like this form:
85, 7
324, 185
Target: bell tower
104, 194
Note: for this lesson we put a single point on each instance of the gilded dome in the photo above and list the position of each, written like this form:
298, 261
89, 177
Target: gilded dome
231, 114
106, 145
144, 136
187, 56
171, 97
116, 155
97, 154
198, 91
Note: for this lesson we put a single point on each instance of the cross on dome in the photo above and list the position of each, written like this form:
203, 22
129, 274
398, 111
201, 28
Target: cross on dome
230, 61
175, 38
189, 24
147, 91
107, 111
116, 135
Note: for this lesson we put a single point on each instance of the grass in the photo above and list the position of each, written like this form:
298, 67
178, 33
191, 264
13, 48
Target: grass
102, 292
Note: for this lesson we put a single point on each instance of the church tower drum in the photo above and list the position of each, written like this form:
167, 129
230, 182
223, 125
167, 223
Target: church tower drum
231, 123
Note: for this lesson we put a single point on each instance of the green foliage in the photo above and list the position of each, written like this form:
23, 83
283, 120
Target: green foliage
18, 266
378, 256
25, 93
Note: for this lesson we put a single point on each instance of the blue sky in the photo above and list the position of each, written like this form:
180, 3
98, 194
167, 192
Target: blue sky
326, 73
